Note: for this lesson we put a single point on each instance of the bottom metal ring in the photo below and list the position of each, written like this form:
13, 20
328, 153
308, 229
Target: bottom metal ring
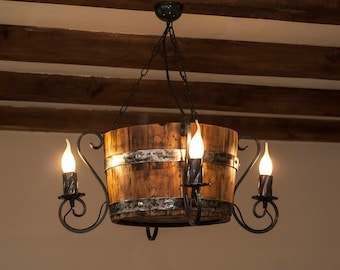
167, 212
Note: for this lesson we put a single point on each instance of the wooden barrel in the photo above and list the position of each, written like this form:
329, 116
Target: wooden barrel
145, 170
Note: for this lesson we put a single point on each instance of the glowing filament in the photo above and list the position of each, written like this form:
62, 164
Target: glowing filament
68, 163
266, 165
196, 148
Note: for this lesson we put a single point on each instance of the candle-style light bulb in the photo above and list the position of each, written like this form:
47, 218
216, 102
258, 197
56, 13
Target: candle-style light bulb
68, 163
196, 148
266, 165
265, 178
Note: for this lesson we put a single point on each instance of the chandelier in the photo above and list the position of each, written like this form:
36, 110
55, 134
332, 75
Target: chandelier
162, 176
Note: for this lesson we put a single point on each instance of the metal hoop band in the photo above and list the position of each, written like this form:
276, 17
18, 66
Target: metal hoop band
168, 155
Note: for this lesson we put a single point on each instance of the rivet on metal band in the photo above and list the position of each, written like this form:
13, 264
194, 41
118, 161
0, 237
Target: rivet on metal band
221, 158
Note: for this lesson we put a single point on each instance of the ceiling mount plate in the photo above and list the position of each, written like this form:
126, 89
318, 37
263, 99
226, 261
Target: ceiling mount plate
168, 11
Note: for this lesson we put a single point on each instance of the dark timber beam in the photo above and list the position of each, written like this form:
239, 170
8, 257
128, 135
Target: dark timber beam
75, 121
152, 93
313, 11
20, 43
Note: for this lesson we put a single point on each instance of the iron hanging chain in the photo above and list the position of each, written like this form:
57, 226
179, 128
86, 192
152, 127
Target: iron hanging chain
162, 43
166, 64
182, 72
143, 73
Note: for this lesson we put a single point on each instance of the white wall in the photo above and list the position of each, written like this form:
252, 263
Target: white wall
306, 180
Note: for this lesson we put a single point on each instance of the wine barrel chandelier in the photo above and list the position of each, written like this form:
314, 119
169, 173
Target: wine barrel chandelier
161, 175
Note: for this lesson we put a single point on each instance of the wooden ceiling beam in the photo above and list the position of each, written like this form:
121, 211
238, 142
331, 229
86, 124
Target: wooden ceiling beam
316, 11
76, 121
19, 43
152, 93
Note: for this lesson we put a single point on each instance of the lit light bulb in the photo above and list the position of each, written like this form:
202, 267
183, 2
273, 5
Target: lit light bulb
266, 165
196, 148
68, 163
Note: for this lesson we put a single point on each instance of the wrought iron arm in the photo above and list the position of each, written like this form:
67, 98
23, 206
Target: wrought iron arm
253, 161
76, 197
273, 220
265, 200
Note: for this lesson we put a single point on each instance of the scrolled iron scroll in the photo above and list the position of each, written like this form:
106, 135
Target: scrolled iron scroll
152, 236
76, 197
259, 199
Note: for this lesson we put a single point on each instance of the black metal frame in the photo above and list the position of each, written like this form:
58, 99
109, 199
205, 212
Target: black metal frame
265, 198
169, 12
72, 195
